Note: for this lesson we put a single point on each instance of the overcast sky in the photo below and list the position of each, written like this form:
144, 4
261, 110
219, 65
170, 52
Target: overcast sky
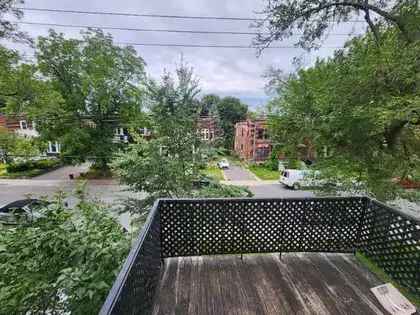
236, 72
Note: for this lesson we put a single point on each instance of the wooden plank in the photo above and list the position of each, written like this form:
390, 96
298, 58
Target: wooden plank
264, 284
351, 297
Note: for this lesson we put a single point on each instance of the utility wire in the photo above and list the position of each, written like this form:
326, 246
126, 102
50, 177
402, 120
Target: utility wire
152, 29
152, 15
140, 15
215, 46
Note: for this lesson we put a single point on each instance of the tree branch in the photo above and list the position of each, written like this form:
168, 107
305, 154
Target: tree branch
361, 6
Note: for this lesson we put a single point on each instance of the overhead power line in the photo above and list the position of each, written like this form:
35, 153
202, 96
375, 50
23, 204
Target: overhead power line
191, 17
141, 14
153, 29
214, 46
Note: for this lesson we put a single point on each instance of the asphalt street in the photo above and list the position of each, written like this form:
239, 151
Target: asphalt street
107, 192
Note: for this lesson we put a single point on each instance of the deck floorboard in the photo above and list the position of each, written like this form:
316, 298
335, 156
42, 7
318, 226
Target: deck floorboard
298, 283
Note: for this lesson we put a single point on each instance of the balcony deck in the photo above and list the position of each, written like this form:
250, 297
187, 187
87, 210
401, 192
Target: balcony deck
309, 283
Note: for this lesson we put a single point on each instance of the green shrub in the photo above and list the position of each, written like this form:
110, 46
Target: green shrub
20, 167
63, 263
215, 190
31, 165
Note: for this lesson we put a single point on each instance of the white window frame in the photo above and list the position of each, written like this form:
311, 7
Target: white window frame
50, 147
205, 134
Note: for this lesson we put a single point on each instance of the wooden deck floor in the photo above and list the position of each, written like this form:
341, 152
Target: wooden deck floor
264, 284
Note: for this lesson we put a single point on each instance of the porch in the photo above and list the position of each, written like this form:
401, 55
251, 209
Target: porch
265, 256
296, 283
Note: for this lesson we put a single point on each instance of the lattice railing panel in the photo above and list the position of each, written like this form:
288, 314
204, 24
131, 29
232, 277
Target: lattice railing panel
134, 289
392, 241
208, 227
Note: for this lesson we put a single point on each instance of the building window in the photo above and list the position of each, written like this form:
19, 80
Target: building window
53, 147
262, 153
145, 132
119, 131
23, 124
205, 134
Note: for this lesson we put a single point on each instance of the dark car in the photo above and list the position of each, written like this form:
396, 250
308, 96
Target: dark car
21, 211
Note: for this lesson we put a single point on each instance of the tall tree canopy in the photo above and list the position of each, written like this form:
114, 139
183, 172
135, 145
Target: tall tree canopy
209, 104
167, 164
362, 105
99, 85
231, 110
313, 18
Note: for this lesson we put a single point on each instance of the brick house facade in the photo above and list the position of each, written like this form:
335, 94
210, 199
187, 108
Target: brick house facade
26, 128
208, 129
252, 142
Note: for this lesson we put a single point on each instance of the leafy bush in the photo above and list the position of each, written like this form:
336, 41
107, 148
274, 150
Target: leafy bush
62, 263
215, 190
30, 165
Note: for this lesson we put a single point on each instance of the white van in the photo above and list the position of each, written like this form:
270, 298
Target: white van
298, 178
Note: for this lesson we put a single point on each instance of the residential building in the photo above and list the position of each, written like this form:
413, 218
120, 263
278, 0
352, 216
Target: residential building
207, 128
252, 142
26, 128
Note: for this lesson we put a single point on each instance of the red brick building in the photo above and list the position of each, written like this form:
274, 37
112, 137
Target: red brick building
251, 140
207, 128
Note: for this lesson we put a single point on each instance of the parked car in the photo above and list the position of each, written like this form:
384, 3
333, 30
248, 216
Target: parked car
223, 164
21, 211
300, 178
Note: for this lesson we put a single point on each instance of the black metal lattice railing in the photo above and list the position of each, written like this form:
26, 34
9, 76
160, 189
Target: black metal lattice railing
192, 227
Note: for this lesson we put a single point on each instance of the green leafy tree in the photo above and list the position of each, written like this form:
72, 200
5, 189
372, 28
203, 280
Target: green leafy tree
63, 263
231, 111
209, 104
166, 165
360, 109
7, 144
100, 89
316, 17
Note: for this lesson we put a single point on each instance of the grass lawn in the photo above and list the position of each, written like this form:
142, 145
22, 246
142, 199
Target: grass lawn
214, 172
415, 299
264, 173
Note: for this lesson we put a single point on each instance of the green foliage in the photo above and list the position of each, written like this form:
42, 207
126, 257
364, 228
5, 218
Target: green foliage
231, 111
14, 146
93, 87
213, 171
63, 262
30, 165
264, 172
168, 164
215, 190
316, 18
381, 274
209, 104
360, 109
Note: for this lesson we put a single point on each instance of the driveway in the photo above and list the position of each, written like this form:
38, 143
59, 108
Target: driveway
235, 172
